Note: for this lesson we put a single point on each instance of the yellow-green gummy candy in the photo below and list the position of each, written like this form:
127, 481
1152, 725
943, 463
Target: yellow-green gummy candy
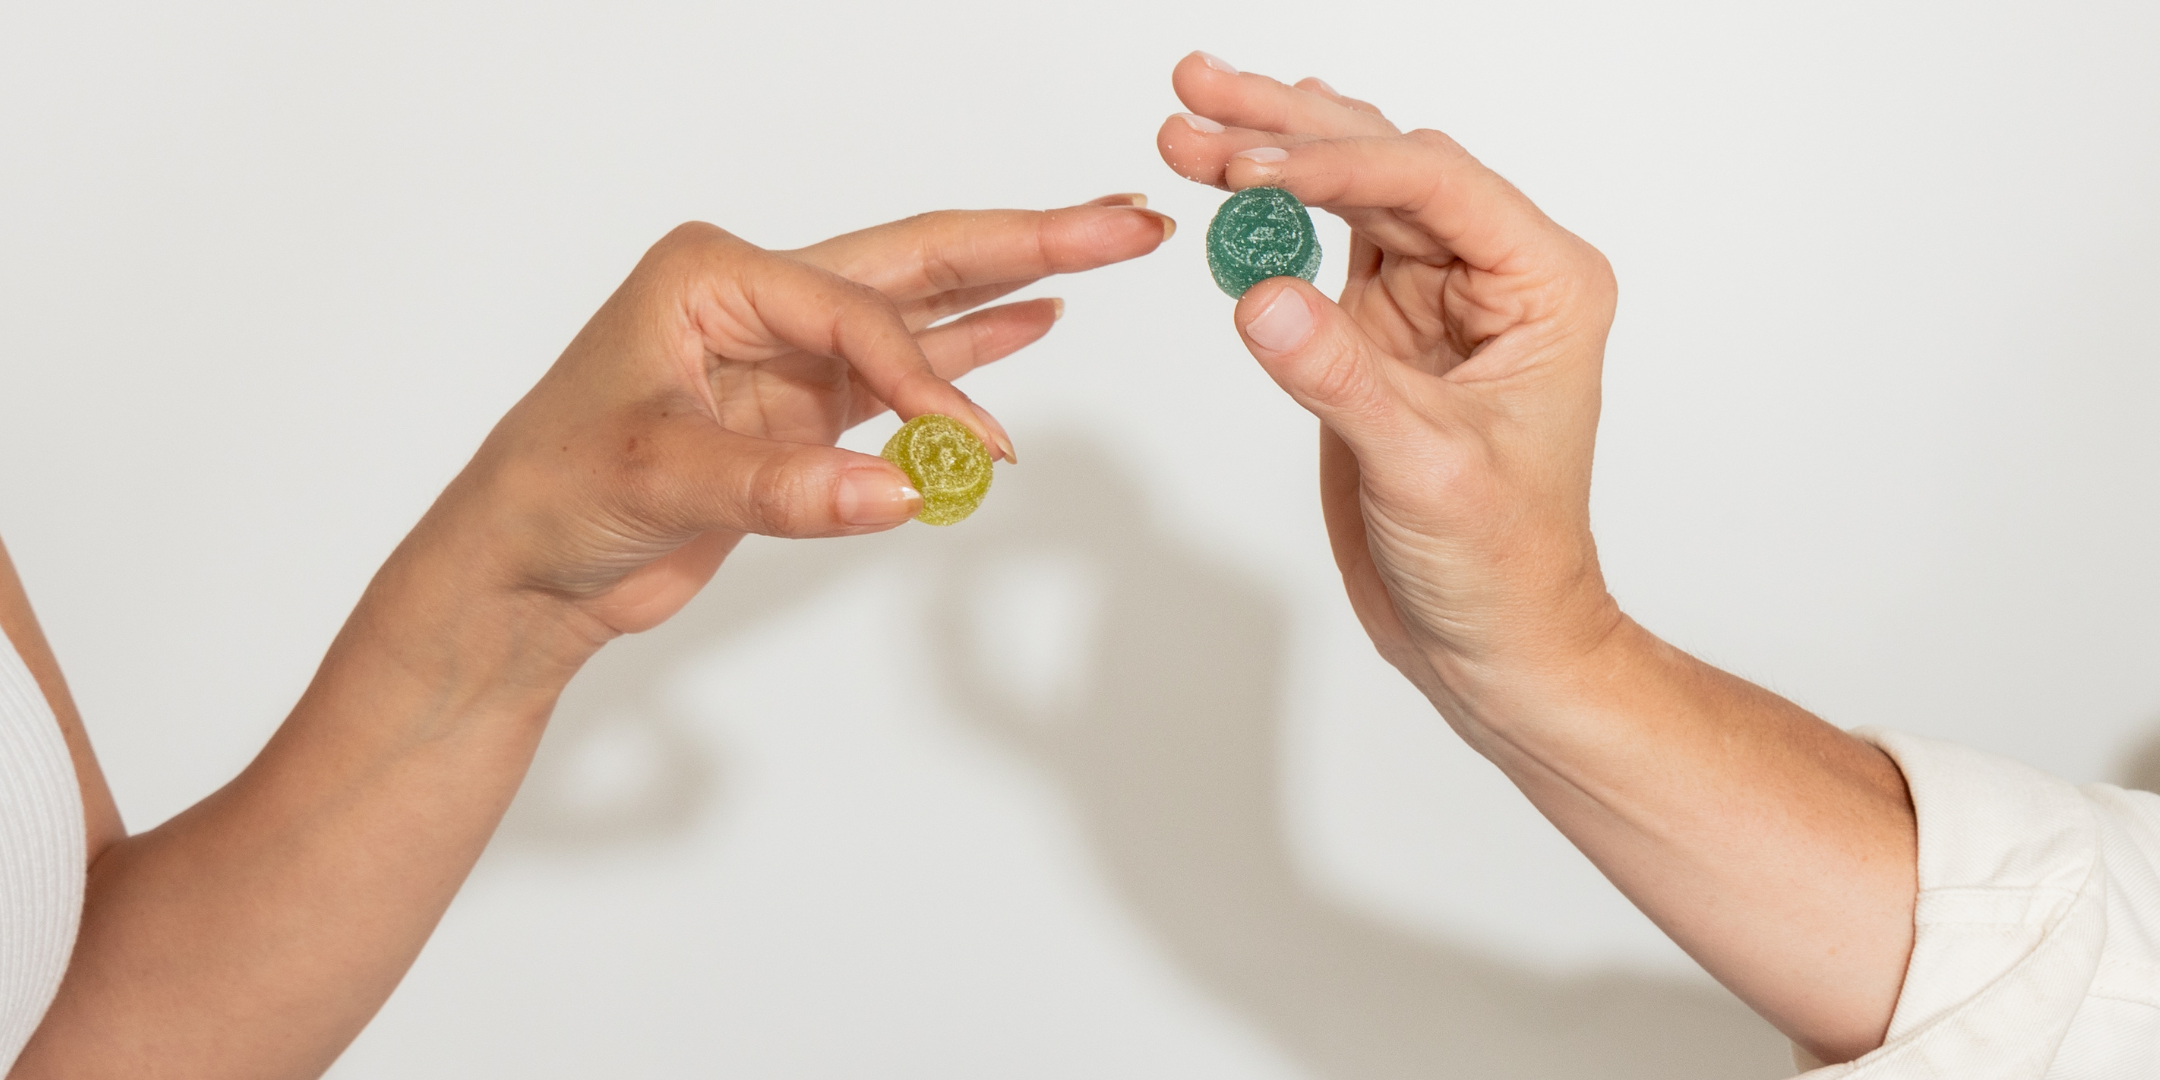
946, 462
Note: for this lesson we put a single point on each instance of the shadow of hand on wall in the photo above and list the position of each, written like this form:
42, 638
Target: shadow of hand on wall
1166, 740
1169, 747
623, 763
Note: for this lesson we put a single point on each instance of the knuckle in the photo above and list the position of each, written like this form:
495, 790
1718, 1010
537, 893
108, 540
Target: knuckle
1338, 378
1603, 279
692, 231
859, 295
942, 221
1595, 264
778, 498
976, 340
919, 385
930, 220
1433, 140
689, 248
689, 236
861, 302
1444, 467
938, 271
1594, 276
937, 232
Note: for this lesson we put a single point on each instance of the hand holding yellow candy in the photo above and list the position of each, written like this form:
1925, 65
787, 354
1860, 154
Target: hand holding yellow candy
945, 462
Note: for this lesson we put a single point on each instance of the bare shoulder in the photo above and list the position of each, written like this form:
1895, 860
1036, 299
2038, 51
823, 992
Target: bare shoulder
19, 621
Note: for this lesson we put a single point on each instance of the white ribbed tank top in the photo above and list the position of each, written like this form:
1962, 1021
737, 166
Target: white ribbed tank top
41, 855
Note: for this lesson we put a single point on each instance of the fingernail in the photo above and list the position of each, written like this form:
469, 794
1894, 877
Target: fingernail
1127, 198
871, 496
1284, 324
1201, 123
999, 441
1325, 88
1057, 308
1216, 62
1263, 155
1169, 227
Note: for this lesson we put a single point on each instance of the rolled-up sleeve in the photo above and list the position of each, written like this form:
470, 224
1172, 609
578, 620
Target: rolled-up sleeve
2034, 936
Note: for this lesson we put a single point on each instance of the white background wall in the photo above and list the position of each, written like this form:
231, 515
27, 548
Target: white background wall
1105, 782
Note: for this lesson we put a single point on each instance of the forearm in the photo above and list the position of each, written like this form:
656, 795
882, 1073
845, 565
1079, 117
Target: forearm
1458, 384
1777, 850
255, 934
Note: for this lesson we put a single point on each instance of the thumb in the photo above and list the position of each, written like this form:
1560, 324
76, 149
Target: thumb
725, 480
1323, 359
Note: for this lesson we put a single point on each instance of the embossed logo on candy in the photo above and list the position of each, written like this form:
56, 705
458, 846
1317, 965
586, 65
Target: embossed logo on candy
1261, 233
946, 462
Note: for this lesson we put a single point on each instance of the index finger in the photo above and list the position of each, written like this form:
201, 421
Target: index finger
950, 250
1211, 87
1423, 178
745, 303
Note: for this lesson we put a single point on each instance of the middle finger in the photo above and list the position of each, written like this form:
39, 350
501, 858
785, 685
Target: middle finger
1214, 89
1200, 149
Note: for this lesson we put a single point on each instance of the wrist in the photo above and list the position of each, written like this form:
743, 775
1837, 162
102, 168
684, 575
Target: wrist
1562, 665
446, 615
593, 555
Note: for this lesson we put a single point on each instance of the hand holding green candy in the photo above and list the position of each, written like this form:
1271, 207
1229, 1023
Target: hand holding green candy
1457, 384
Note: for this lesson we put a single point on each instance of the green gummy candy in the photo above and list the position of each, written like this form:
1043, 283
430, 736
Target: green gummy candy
946, 462
1261, 233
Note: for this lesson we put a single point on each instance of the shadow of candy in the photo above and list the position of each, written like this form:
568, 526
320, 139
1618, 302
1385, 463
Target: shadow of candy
1167, 743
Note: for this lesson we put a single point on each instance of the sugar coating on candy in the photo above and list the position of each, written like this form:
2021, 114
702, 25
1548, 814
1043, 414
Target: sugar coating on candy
946, 462
1261, 233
